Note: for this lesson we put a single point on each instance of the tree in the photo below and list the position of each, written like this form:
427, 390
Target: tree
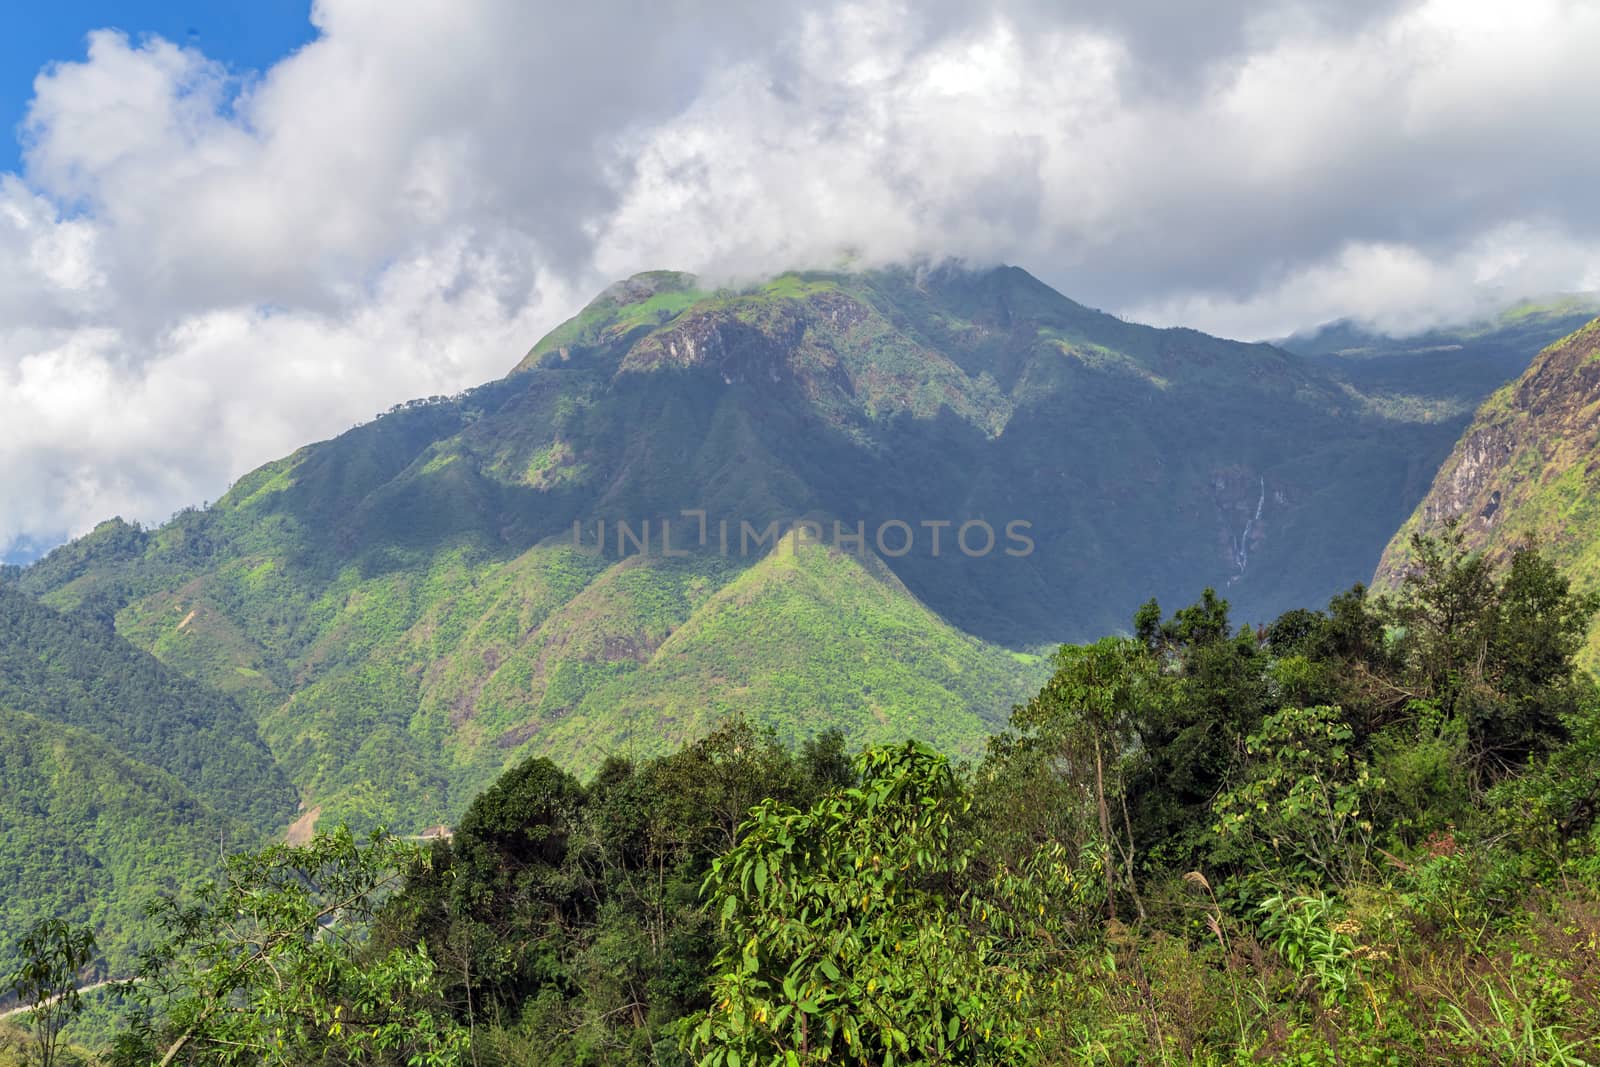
1303, 796
513, 837
848, 934
1492, 650
1087, 710
54, 954
1215, 691
1540, 625
1446, 607
268, 967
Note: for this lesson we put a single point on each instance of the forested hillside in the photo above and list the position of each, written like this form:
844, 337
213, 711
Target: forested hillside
1363, 835
91, 836
119, 778
73, 671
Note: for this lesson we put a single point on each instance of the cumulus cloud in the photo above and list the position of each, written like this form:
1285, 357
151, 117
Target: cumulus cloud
201, 269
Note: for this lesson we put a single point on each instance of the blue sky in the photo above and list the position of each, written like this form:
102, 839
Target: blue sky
245, 34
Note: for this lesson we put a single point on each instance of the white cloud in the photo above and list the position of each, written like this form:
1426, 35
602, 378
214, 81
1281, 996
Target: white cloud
1395, 287
90, 432
199, 272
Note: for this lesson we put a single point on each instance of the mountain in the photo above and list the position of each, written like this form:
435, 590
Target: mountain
88, 835
1446, 372
979, 467
1528, 465
69, 670
119, 777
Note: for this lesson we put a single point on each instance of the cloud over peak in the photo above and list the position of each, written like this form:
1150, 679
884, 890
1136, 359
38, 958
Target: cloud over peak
202, 269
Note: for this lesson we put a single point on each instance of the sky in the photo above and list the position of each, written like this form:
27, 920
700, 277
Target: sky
228, 230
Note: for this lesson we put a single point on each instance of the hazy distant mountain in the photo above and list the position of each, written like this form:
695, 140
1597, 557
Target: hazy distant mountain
1446, 372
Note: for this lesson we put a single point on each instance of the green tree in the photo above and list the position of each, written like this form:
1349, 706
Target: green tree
577, 912
54, 955
1084, 720
1303, 798
1494, 651
849, 936
1446, 607
1539, 627
1216, 691
268, 966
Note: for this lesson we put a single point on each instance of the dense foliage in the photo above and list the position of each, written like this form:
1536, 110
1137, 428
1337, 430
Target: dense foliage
88, 835
119, 777
1364, 835
574, 912
69, 670
266, 966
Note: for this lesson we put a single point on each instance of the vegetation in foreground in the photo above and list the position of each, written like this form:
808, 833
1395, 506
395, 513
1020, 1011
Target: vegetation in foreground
1365, 835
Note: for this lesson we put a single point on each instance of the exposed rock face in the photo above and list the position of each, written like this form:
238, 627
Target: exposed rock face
1479, 462
1529, 465
722, 341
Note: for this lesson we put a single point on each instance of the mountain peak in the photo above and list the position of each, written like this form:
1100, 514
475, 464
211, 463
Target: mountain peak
643, 286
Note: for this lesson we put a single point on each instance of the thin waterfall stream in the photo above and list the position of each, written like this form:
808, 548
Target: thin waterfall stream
1241, 546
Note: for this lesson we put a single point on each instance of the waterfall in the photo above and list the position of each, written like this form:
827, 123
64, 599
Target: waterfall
1241, 547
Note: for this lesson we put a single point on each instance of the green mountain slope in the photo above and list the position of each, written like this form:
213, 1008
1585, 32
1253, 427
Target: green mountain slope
945, 395
119, 777
1529, 465
88, 835
404, 611
70, 670
811, 636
